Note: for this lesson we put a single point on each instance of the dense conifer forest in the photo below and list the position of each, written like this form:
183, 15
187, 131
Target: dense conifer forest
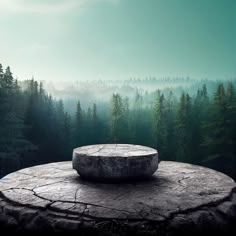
189, 121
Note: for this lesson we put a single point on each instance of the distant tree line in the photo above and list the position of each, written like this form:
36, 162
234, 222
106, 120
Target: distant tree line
35, 128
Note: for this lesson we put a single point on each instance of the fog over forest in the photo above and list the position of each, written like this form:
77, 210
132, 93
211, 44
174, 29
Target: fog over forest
185, 119
100, 91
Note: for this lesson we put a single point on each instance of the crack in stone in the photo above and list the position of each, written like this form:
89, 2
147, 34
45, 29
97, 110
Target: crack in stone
15, 203
48, 205
182, 179
113, 150
75, 197
96, 151
53, 201
165, 221
33, 189
171, 216
61, 181
193, 209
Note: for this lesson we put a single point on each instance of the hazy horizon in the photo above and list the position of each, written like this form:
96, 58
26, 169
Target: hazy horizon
118, 39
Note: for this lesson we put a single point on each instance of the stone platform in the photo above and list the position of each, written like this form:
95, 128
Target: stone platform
179, 198
115, 162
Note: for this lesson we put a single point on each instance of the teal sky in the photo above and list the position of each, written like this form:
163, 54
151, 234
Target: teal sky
118, 39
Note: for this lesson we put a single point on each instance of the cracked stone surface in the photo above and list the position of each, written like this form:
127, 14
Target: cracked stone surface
178, 198
112, 162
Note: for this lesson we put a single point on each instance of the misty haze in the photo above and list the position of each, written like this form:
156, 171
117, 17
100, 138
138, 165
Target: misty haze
156, 73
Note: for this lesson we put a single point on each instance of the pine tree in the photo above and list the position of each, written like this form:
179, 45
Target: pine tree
170, 122
88, 127
231, 128
138, 128
183, 130
78, 127
126, 120
159, 125
8, 79
95, 125
215, 137
2, 90
199, 121
1, 76
67, 136
13, 144
117, 119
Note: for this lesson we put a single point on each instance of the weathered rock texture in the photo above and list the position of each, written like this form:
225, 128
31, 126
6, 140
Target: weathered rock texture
115, 162
179, 198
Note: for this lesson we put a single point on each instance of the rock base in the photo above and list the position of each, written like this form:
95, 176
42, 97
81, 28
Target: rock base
179, 199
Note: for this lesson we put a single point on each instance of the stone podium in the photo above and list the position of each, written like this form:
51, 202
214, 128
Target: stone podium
178, 199
115, 162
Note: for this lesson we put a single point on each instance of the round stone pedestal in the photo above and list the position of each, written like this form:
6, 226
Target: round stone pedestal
181, 198
115, 162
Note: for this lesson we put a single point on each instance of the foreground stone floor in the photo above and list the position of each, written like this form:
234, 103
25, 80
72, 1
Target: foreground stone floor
179, 198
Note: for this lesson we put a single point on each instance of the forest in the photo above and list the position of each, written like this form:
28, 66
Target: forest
186, 120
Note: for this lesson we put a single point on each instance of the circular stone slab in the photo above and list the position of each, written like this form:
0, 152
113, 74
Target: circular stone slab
181, 197
111, 162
